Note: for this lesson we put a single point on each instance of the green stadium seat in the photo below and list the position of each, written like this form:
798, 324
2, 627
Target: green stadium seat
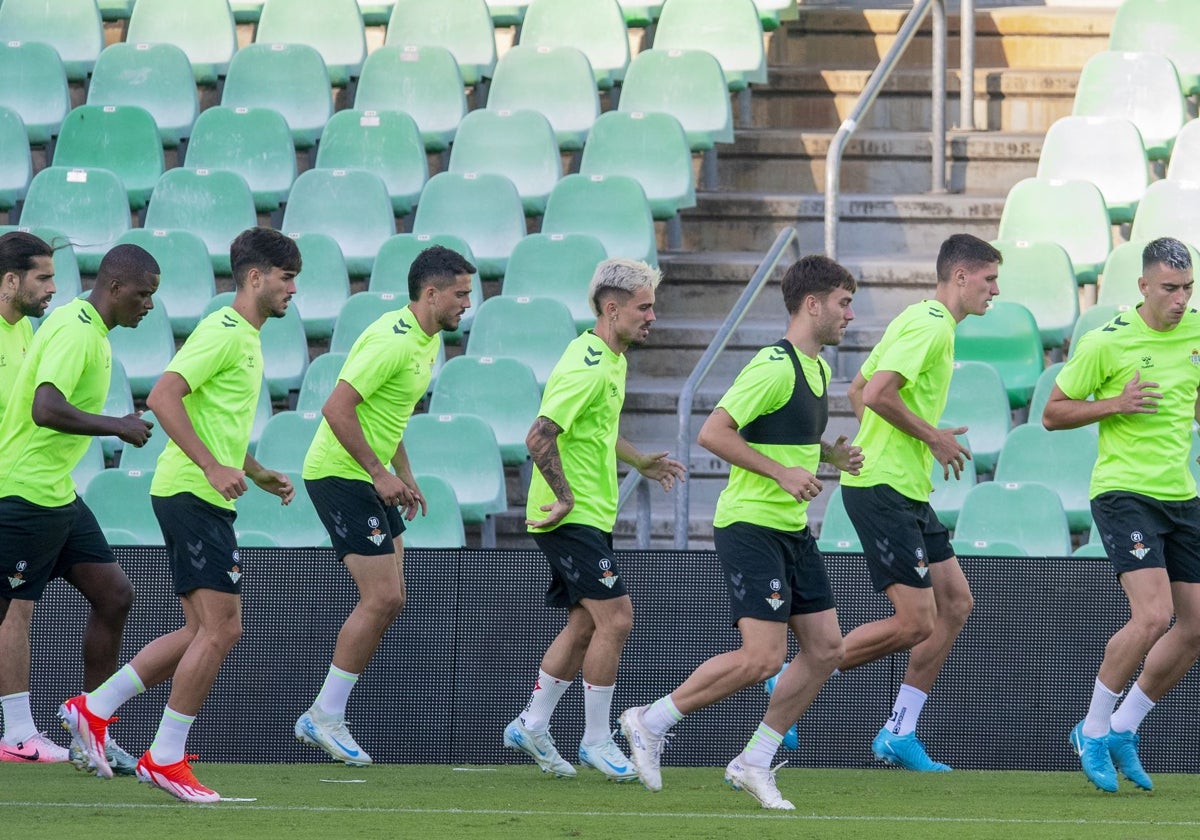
121, 503
157, 77
1041, 394
120, 138
350, 205
519, 145
1039, 276
773, 13
290, 526
334, 28
555, 81
118, 403
534, 330
262, 414
1007, 338
650, 148
16, 164
386, 143
289, 78
285, 440
988, 548
558, 266
284, 348
507, 12
395, 257
255, 539
639, 14
1107, 151
186, 282
464, 27
35, 86
246, 11
1165, 27
1169, 208
978, 400
687, 84
89, 466
203, 29
145, 350
139, 460
594, 27
376, 12
460, 449
423, 82
837, 531
1090, 550
89, 206
1185, 156
322, 285
112, 10
948, 493
319, 381
1071, 213
1029, 515
729, 30
1061, 460
72, 27
485, 210
1141, 87
213, 204
612, 208
360, 311
502, 391
256, 143
441, 526
1092, 318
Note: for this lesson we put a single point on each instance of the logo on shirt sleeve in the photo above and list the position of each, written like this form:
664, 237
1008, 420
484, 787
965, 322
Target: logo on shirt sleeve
593, 357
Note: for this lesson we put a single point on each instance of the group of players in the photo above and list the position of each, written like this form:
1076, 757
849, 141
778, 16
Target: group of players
1137, 377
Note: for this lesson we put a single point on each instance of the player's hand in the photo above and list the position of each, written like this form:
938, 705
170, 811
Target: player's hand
417, 505
658, 467
555, 514
393, 491
275, 483
846, 457
948, 452
133, 429
800, 484
230, 482
1138, 397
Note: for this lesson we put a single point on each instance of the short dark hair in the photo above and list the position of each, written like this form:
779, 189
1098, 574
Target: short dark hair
126, 263
1167, 251
264, 249
18, 249
965, 249
814, 275
436, 266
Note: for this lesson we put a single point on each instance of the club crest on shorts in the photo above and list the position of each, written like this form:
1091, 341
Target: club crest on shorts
607, 578
775, 600
922, 567
18, 579
235, 574
376, 536
1139, 549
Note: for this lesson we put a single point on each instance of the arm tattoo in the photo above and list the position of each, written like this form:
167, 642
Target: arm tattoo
543, 448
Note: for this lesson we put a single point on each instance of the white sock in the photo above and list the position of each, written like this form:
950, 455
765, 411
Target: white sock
1133, 710
335, 692
547, 691
597, 713
909, 703
1099, 714
118, 688
18, 718
760, 750
661, 715
169, 741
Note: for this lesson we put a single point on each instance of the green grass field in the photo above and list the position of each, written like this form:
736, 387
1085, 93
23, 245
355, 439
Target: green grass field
330, 801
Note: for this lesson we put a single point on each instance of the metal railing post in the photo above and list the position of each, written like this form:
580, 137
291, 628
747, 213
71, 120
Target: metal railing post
966, 91
937, 127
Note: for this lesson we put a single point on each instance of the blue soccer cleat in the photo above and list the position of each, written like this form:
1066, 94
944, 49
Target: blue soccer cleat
905, 751
1122, 749
1093, 756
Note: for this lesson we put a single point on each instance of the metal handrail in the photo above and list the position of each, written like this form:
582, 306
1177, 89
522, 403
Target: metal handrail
833, 159
966, 63
637, 484
683, 412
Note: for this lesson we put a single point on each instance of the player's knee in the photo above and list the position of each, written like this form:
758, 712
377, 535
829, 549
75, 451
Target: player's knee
915, 629
1152, 624
228, 634
116, 602
826, 655
761, 665
957, 610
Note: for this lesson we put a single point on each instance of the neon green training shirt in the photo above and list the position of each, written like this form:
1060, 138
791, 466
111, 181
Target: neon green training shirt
14, 344
583, 397
390, 366
71, 352
765, 385
1141, 453
919, 345
222, 363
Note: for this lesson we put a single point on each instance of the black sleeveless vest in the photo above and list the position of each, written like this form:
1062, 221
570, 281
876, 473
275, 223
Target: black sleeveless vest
799, 421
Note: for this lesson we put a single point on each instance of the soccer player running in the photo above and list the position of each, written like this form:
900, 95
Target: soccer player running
385, 375
571, 510
1138, 377
768, 426
899, 395
206, 402
46, 529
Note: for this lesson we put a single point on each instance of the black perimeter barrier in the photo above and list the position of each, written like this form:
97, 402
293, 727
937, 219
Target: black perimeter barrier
460, 661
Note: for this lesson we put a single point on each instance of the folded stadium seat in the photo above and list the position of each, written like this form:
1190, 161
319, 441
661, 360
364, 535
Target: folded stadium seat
639, 15
120, 138
157, 77
143, 460
773, 13
978, 400
89, 466
554, 81
1123, 269
519, 145
441, 526
611, 208
186, 282
289, 78
322, 285
1095, 317
534, 330
395, 257
483, 209
350, 205
376, 12
253, 142
334, 28
1185, 155
386, 143
837, 531
1141, 87
67, 282
284, 348
1165, 27
319, 381
16, 164
1169, 208
89, 206
729, 30
146, 350
948, 493
687, 84
1061, 460
1007, 338
1039, 276
359, 311
1071, 213
461, 449
285, 440
558, 266
594, 27
423, 82
121, 503
35, 86
1027, 514
213, 204
73, 28
502, 391
117, 403
203, 29
290, 526
1107, 151
507, 12
464, 27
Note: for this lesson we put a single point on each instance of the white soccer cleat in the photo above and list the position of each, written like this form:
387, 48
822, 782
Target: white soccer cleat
330, 734
609, 760
540, 747
88, 732
645, 748
759, 782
